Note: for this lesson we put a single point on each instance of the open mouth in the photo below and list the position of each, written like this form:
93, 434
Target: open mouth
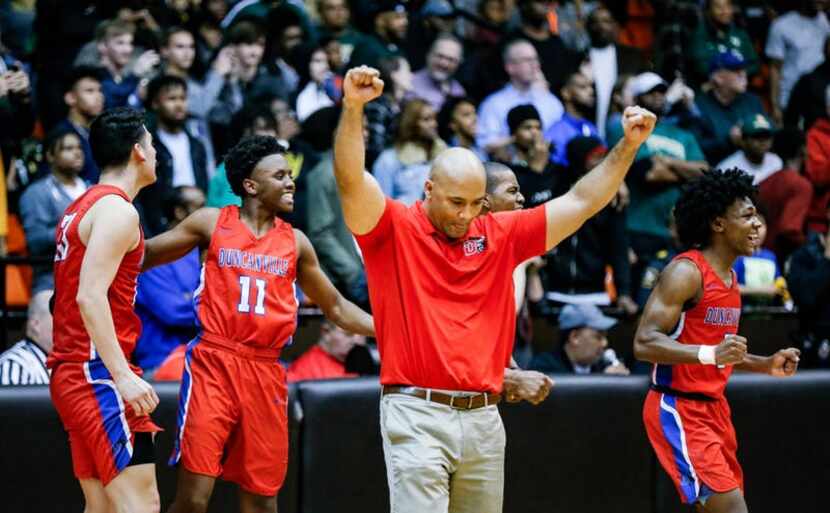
288, 197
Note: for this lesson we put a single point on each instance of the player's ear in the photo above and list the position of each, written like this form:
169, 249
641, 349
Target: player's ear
428, 189
250, 186
718, 225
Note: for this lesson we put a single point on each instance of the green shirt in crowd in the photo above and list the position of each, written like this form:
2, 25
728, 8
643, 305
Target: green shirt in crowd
651, 204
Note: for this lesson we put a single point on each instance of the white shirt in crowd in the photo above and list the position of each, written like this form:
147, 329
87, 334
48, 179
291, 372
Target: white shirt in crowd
311, 99
604, 69
798, 42
772, 164
492, 114
75, 190
178, 145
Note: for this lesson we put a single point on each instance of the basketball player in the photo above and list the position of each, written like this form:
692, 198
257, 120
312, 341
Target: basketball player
689, 331
232, 404
100, 397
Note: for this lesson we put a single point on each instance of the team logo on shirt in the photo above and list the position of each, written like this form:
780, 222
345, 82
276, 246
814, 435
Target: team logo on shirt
720, 316
474, 246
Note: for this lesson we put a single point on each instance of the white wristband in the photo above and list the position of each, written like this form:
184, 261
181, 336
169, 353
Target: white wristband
706, 355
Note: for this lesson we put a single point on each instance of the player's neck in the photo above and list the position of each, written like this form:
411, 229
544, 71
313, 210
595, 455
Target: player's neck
123, 179
258, 219
721, 260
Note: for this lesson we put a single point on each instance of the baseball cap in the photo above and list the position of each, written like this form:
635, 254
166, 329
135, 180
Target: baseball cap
727, 59
646, 83
388, 6
581, 316
437, 8
757, 124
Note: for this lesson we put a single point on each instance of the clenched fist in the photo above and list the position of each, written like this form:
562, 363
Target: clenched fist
731, 351
638, 123
784, 363
361, 85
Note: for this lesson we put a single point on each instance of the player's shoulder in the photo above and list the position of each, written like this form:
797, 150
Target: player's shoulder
681, 279
114, 208
207, 215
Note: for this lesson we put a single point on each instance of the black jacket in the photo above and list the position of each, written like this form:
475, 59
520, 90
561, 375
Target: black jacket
557, 362
808, 98
809, 283
577, 264
150, 200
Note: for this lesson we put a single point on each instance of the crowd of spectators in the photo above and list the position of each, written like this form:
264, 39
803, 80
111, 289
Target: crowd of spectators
538, 85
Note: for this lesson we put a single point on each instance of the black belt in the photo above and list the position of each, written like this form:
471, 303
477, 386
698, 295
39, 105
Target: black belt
695, 396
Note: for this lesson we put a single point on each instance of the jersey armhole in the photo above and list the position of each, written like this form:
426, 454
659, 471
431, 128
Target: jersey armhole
688, 305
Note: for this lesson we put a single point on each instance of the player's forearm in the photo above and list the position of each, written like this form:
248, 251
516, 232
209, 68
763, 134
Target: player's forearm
597, 188
754, 363
163, 249
350, 317
658, 348
349, 148
97, 319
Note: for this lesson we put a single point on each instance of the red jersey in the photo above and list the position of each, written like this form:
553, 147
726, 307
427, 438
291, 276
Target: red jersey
444, 309
247, 294
71, 340
707, 323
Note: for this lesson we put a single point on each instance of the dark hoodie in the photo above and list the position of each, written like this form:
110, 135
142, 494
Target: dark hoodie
577, 264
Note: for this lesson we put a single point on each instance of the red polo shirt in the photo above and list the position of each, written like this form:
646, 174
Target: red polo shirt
444, 309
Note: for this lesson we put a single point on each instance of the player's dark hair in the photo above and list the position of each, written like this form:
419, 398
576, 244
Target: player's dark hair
162, 83
707, 198
244, 157
113, 134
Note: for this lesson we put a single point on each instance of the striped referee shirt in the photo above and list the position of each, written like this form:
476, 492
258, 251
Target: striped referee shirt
24, 364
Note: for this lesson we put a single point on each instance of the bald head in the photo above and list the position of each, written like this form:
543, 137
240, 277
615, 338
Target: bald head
496, 173
39, 322
458, 166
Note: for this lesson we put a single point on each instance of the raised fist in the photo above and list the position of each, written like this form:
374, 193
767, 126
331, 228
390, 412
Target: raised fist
638, 124
361, 85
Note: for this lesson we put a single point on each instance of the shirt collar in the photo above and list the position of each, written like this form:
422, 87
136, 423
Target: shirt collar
423, 220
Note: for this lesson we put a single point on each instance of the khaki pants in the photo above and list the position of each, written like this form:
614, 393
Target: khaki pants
442, 460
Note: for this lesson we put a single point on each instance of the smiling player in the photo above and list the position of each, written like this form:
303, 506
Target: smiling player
689, 331
232, 404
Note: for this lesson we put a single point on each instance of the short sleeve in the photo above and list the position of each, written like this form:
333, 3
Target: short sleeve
776, 47
392, 210
527, 231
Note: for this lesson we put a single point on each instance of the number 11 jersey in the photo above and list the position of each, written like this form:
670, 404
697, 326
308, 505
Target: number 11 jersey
247, 292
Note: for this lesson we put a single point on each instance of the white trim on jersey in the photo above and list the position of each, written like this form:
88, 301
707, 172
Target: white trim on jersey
683, 447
